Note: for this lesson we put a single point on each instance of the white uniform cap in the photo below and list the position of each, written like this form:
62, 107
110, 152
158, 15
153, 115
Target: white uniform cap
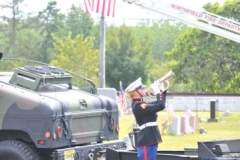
137, 84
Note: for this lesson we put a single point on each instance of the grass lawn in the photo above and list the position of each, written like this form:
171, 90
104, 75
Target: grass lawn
227, 127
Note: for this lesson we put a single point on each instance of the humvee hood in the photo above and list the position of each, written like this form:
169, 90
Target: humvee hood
74, 100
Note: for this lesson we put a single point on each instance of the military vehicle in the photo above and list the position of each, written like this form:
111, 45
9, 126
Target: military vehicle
44, 116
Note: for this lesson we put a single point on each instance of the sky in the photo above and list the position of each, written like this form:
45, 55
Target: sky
123, 12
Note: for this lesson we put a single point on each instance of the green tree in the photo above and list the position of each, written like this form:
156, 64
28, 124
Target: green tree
4, 41
162, 34
207, 62
165, 33
52, 21
12, 23
78, 22
77, 55
28, 45
126, 58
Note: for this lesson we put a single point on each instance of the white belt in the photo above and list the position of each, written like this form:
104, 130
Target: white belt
147, 125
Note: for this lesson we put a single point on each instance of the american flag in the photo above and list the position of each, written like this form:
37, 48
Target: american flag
122, 99
188, 111
170, 111
103, 7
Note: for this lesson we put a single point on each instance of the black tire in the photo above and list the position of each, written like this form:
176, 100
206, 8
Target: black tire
17, 150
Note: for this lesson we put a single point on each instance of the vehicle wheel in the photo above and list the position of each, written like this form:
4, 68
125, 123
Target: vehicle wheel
17, 150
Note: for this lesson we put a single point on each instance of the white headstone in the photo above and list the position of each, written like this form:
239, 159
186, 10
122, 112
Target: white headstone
174, 128
227, 113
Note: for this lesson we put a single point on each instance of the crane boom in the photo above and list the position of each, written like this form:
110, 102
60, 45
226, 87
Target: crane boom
209, 21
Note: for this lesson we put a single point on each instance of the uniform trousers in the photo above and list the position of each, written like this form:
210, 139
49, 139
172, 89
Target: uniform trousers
147, 152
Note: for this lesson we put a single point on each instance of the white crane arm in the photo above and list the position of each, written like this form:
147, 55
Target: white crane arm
192, 17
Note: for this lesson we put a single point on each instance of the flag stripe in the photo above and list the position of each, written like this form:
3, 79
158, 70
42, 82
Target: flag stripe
122, 98
188, 128
103, 7
113, 8
109, 8
98, 6
92, 4
188, 111
87, 6
170, 111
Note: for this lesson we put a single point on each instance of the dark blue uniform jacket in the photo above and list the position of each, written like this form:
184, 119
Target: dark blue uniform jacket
151, 134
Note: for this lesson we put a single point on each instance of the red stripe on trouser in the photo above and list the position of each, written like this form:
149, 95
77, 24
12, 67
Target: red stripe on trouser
145, 153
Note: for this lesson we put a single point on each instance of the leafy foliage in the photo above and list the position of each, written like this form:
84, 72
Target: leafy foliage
126, 58
207, 62
11, 27
78, 22
53, 21
78, 56
201, 61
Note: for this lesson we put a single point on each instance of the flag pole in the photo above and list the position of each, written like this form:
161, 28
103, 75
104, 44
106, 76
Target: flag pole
197, 109
102, 53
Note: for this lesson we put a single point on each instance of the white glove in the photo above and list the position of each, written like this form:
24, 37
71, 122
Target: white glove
161, 87
155, 87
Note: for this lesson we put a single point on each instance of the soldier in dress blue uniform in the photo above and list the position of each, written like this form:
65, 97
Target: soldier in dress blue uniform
146, 117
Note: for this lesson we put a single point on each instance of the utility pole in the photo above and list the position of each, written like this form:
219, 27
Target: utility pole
102, 53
